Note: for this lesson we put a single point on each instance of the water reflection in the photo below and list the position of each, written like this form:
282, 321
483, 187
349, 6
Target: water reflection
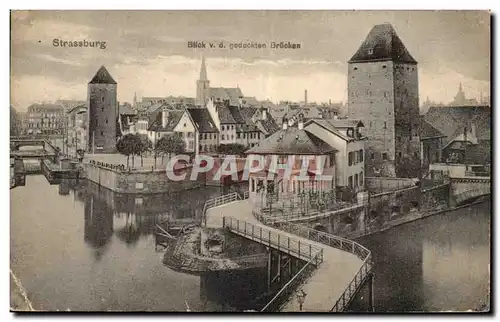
435, 264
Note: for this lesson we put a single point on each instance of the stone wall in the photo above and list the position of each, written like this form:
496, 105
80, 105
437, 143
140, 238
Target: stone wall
437, 197
139, 182
381, 184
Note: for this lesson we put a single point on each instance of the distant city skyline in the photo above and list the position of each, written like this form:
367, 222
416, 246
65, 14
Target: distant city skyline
147, 52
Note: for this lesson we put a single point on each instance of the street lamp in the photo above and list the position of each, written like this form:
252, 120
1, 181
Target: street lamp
301, 296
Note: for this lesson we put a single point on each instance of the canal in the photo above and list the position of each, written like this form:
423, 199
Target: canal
80, 247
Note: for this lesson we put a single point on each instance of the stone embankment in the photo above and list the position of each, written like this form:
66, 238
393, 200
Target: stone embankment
185, 255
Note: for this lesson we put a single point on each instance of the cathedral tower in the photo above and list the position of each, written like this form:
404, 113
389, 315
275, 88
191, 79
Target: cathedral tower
383, 93
202, 85
102, 113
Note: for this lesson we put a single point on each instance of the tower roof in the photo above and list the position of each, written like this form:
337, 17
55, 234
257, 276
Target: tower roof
203, 70
102, 77
382, 43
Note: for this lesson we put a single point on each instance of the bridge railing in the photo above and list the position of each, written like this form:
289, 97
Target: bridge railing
343, 244
291, 287
214, 202
272, 238
303, 250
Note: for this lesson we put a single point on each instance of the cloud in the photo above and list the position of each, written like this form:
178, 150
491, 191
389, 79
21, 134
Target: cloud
58, 60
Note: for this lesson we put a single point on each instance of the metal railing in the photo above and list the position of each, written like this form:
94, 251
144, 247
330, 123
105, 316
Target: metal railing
289, 288
286, 244
214, 202
272, 238
343, 244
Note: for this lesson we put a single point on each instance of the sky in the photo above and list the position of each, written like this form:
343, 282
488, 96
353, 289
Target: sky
147, 52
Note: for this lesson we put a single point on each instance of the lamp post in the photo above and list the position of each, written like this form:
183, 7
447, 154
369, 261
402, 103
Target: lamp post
301, 296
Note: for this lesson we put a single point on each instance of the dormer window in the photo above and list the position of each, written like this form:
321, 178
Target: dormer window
370, 51
350, 132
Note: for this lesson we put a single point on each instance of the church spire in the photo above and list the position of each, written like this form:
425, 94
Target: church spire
203, 70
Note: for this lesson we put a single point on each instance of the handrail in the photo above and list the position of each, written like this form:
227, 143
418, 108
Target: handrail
214, 202
288, 287
341, 243
271, 238
312, 253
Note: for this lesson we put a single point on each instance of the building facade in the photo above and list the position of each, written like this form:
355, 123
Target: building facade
45, 119
383, 92
346, 137
102, 113
77, 127
287, 180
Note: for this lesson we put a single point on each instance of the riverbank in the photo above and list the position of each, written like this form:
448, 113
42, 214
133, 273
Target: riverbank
184, 255
408, 218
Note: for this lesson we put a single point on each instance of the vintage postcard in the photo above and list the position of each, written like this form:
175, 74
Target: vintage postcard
250, 161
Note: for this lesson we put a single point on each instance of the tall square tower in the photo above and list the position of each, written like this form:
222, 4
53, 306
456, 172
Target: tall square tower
102, 113
383, 93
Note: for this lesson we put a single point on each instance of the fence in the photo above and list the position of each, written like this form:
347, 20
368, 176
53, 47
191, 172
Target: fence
214, 202
305, 251
339, 243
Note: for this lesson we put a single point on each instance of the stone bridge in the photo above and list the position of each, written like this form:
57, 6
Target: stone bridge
464, 189
49, 150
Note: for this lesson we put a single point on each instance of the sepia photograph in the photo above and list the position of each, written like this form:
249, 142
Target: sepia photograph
307, 161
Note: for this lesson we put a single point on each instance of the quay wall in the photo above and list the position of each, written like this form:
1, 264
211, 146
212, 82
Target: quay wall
139, 181
381, 184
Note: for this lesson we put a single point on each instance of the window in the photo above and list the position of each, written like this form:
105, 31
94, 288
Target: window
232, 127
350, 132
370, 51
372, 156
349, 156
384, 66
184, 124
385, 125
102, 98
222, 137
356, 180
399, 154
361, 182
361, 156
350, 182
237, 135
355, 68
102, 133
384, 156
222, 127
106, 120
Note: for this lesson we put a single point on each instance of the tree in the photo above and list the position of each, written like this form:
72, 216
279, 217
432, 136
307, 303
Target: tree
128, 145
168, 144
15, 122
145, 146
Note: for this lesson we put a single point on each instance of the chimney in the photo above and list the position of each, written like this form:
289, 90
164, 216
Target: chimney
330, 102
264, 114
305, 97
240, 101
164, 117
285, 123
301, 121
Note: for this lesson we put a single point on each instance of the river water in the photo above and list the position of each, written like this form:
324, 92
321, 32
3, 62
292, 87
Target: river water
80, 247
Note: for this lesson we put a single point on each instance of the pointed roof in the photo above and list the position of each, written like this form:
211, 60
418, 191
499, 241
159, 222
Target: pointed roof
382, 43
203, 70
102, 77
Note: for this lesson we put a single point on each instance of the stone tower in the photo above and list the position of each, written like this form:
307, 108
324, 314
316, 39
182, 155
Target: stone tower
383, 93
102, 113
202, 85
